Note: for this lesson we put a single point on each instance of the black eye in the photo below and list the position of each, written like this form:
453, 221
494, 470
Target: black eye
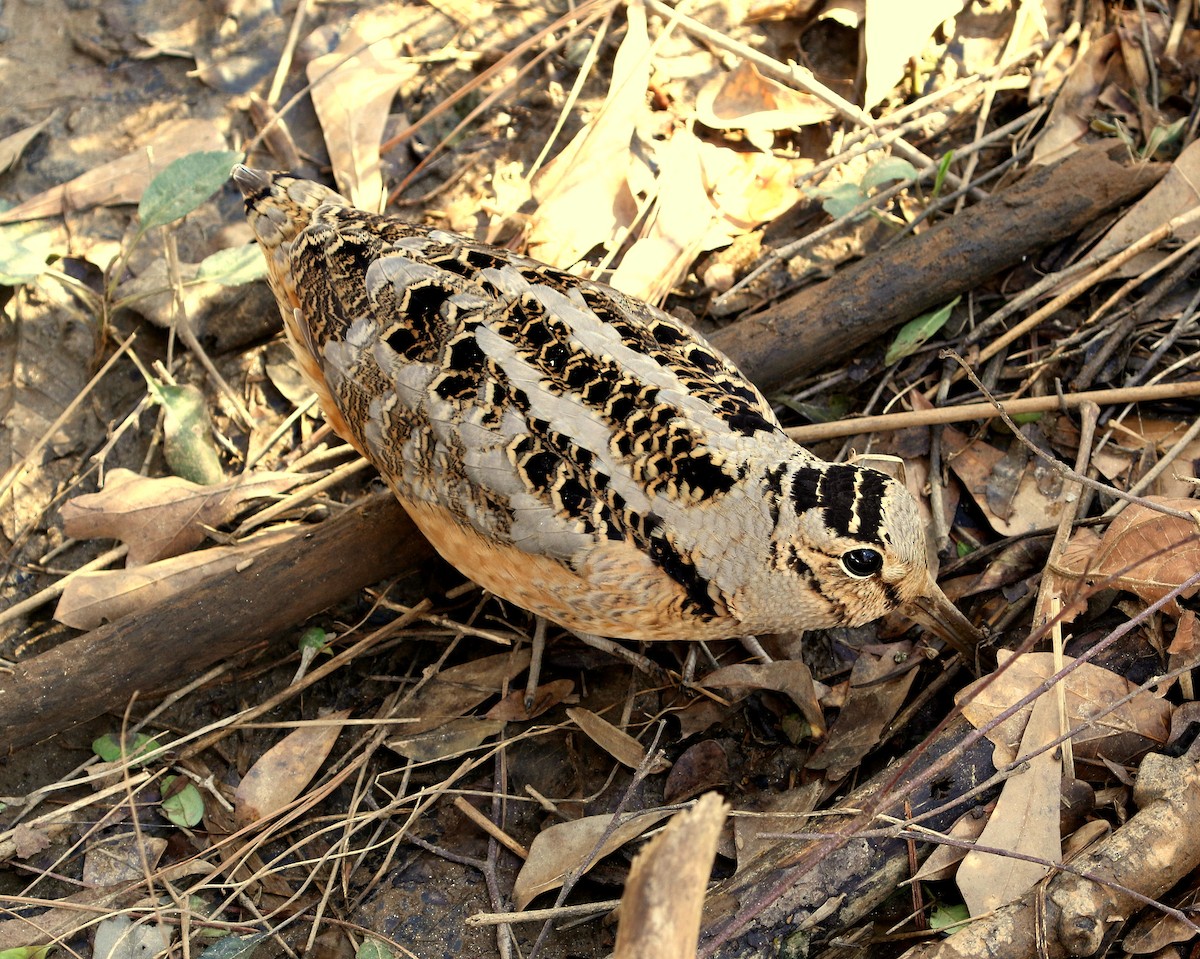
861, 563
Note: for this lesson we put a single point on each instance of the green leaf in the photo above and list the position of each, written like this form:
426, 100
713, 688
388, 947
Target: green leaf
839, 200
234, 947
915, 332
26, 952
1163, 135
829, 409
108, 747
184, 807
233, 266
25, 247
1022, 418
943, 916
187, 435
184, 185
315, 639
943, 169
886, 170
373, 949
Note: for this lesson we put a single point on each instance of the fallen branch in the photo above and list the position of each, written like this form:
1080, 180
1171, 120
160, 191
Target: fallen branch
158, 648
828, 321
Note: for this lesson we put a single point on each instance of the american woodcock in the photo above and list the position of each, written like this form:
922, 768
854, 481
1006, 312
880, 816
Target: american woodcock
573, 450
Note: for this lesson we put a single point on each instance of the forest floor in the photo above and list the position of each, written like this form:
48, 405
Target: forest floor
333, 756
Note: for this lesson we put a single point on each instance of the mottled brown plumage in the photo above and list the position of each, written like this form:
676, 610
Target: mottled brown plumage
576, 451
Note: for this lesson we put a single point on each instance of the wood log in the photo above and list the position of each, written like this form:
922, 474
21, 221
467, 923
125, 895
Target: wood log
811, 888
825, 323
157, 648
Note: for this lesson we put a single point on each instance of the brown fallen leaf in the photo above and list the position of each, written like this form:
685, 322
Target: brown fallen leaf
1120, 735
943, 861
712, 195
454, 692
879, 685
583, 194
1148, 553
1011, 509
352, 96
91, 599
1076, 103
546, 696
745, 99
69, 914
661, 905
785, 812
617, 743
1173, 195
13, 145
789, 676
282, 772
702, 767
563, 847
1024, 821
123, 180
159, 517
449, 739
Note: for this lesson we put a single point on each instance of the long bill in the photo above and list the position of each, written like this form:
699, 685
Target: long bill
941, 617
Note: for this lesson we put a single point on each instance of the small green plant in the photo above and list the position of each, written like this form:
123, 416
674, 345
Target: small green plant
843, 199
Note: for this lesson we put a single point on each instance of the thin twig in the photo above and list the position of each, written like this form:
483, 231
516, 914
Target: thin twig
1061, 468
815, 432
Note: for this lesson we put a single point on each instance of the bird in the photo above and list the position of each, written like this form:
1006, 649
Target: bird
574, 450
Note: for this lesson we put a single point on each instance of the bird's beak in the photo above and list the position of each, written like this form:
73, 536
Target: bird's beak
935, 612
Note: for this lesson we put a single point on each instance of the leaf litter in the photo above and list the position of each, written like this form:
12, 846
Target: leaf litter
681, 140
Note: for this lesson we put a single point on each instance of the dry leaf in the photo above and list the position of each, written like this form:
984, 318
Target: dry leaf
1149, 553
1186, 643
943, 861
664, 895
449, 739
702, 767
657, 261
123, 180
745, 99
73, 912
789, 676
1162, 434
1025, 821
711, 195
1120, 735
583, 194
786, 812
454, 692
121, 858
1173, 195
561, 849
91, 599
617, 743
13, 145
353, 99
164, 516
894, 33
1076, 103
699, 715
283, 771
548, 695
879, 685
1025, 507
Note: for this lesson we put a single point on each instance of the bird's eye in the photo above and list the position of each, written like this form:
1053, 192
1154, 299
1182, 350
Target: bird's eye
861, 563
